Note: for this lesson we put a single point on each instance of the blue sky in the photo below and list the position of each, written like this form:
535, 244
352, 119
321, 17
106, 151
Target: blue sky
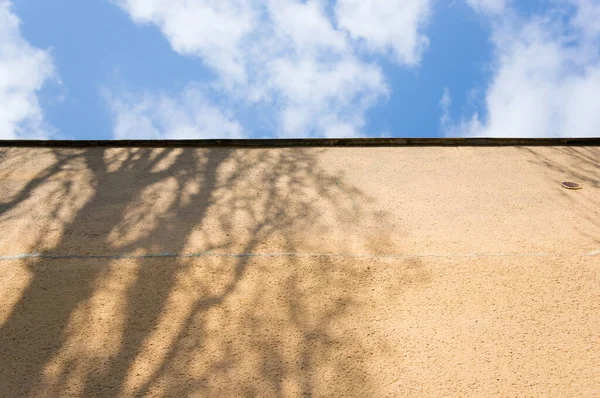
155, 69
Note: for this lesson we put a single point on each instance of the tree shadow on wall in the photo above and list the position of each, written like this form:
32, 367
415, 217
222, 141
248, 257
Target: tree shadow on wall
222, 324
581, 165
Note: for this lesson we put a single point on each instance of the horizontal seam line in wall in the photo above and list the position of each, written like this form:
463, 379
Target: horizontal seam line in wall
258, 255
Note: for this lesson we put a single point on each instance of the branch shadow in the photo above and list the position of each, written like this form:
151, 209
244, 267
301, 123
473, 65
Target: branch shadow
214, 325
581, 165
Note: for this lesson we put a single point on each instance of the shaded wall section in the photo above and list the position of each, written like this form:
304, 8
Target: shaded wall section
299, 271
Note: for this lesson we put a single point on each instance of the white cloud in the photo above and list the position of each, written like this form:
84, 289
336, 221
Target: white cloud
387, 25
23, 71
214, 30
306, 26
587, 17
547, 77
319, 95
488, 6
288, 58
445, 104
186, 116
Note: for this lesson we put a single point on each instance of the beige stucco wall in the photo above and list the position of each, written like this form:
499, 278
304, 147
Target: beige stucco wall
399, 271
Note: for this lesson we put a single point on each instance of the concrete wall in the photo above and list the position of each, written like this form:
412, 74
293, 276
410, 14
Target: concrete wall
322, 271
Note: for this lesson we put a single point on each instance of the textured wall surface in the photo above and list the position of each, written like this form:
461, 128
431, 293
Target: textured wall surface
399, 271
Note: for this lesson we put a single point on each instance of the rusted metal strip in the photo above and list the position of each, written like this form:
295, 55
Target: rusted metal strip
310, 142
